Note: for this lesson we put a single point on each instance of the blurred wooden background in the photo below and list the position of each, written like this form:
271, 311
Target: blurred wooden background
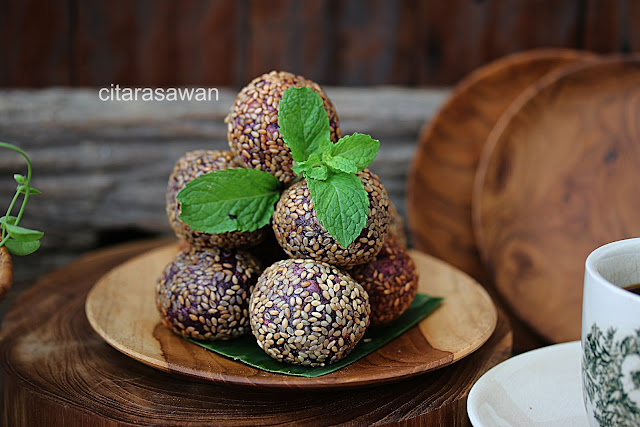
335, 42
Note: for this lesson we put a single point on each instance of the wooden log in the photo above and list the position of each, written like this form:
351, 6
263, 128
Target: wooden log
57, 371
103, 166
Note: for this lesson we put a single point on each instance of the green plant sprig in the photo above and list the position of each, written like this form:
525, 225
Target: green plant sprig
244, 199
19, 240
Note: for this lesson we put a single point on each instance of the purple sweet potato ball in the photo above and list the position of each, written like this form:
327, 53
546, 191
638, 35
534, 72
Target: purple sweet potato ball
189, 167
252, 125
391, 280
204, 293
302, 235
307, 312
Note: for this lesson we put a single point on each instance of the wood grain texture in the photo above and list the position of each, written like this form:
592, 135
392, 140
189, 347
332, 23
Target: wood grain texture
440, 183
57, 371
611, 26
122, 154
556, 181
457, 36
6, 271
465, 320
289, 35
338, 42
119, 45
35, 40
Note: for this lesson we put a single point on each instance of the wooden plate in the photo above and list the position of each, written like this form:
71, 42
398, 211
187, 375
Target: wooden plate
121, 308
440, 183
559, 178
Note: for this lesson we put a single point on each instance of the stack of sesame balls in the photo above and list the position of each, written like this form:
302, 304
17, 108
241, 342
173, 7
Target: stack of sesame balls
315, 298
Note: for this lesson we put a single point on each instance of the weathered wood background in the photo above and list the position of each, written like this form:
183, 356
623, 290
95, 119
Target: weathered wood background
335, 42
103, 166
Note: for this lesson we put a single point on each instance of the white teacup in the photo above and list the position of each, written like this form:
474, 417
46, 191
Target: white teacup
611, 335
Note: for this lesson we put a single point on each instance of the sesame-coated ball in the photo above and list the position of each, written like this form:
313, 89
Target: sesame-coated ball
391, 280
252, 125
307, 312
301, 234
204, 293
189, 167
396, 226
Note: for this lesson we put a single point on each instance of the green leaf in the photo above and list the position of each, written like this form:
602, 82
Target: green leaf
20, 179
8, 219
303, 122
359, 148
23, 189
341, 164
245, 349
319, 172
229, 200
22, 234
22, 248
313, 160
341, 204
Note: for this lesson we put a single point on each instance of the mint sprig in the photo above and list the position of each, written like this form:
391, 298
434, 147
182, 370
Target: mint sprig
17, 239
229, 200
244, 199
340, 200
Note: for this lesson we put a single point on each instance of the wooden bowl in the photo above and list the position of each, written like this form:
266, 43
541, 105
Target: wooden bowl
558, 178
6, 271
440, 183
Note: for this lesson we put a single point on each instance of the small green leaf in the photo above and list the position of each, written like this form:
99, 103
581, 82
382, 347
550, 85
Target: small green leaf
245, 349
20, 179
313, 160
341, 164
23, 189
303, 122
359, 148
8, 219
229, 200
22, 234
341, 204
22, 248
317, 172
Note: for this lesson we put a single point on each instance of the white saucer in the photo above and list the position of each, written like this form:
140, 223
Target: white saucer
539, 388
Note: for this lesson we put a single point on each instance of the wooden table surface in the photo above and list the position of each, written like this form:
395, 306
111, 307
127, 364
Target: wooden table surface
57, 371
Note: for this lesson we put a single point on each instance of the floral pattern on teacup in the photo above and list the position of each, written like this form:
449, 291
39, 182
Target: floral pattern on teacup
611, 377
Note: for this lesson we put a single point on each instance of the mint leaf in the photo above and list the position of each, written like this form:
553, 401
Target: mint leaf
341, 164
22, 248
317, 172
20, 179
303, 122
359, 148
229, 200
22, 234
341, 204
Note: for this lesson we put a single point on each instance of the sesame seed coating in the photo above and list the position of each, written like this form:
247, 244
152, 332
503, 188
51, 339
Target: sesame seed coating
189, 167
391, 280
204, 293
301, 234
307, 312
396, 226
252, 125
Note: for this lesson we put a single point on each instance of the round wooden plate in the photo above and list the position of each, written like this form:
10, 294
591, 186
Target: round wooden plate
121, 309
440, 183
559, 178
